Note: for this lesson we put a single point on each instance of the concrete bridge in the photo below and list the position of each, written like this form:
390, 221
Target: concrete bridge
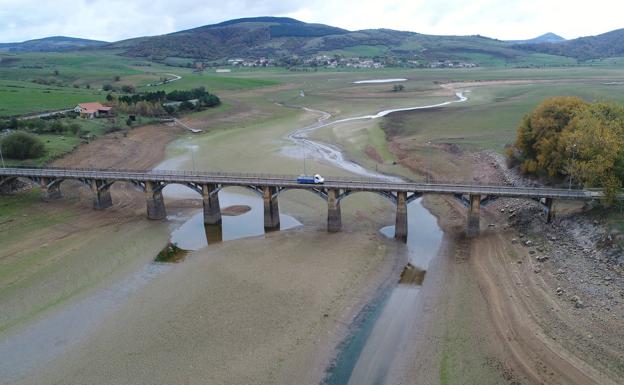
333, 191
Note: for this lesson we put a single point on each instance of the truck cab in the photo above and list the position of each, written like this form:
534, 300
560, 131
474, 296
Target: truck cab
308, 179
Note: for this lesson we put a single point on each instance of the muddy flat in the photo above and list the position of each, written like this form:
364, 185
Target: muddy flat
255, 308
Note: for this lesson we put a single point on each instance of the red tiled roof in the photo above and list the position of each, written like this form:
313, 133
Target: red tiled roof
93, 107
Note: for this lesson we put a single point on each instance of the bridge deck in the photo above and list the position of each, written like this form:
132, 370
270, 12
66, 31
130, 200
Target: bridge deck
289, 181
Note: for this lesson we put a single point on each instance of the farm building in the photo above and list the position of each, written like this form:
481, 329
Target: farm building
92, 110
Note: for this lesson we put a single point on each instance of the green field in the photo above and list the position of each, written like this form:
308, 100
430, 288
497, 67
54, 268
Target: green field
21, 97
38, 82
487, 121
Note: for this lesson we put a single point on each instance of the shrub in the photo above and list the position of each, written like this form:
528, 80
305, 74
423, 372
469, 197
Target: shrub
21, 145
128, 89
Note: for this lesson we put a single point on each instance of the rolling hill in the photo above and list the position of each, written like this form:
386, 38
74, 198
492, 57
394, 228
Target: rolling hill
545, 38
276, 37
51, 44
282, 37
610, 44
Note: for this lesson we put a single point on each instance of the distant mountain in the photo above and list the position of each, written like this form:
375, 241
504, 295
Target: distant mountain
285, 38
249, 37
51, 44
545, 38
279, 36
610, 44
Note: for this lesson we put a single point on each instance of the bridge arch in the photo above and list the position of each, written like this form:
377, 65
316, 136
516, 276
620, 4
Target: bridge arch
192, 186
255, 189
320, 192
384, 194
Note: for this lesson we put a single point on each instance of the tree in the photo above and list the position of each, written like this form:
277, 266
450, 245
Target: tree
21, 145
539, 132
13, 123
57, 127
594, 144
398, 87
186, 105
74, 128
566, 137
128, 89
107, 87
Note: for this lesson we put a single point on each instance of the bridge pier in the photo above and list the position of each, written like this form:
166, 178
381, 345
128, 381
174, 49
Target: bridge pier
334, 220
7, 184
154, 200
50, 190
549, 209
400, 227
473, 215
101, 194
214, 233
271, 208
212, 209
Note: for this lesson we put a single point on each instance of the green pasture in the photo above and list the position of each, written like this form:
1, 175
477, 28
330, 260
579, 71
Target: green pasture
490, 117
20, 97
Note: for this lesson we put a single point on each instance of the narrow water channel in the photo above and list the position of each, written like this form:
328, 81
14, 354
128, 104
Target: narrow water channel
375, 339
367, 354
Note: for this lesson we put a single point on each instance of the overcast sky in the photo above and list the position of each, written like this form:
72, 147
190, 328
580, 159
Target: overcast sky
113, 20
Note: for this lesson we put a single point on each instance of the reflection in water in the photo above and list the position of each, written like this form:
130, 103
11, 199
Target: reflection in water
194, 235
383, 329
214, 234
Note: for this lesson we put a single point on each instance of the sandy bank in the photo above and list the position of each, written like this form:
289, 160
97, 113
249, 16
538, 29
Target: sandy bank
140, 149
256, 311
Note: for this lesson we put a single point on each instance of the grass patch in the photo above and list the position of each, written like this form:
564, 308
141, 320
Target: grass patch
171, 254
20, 97
490, 117
11, 205
56, 146
215, 83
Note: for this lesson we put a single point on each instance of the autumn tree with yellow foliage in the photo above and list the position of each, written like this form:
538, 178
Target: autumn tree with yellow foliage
566, 137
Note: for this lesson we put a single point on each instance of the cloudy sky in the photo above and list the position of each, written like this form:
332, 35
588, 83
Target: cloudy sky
119, 19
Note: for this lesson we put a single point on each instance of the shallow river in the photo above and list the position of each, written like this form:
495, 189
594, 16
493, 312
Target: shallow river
367, 354
378, 331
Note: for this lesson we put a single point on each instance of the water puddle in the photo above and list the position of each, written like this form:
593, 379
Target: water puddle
242, 214
193, 234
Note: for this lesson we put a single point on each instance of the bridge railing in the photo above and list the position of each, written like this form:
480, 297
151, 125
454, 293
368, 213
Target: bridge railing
378, 181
